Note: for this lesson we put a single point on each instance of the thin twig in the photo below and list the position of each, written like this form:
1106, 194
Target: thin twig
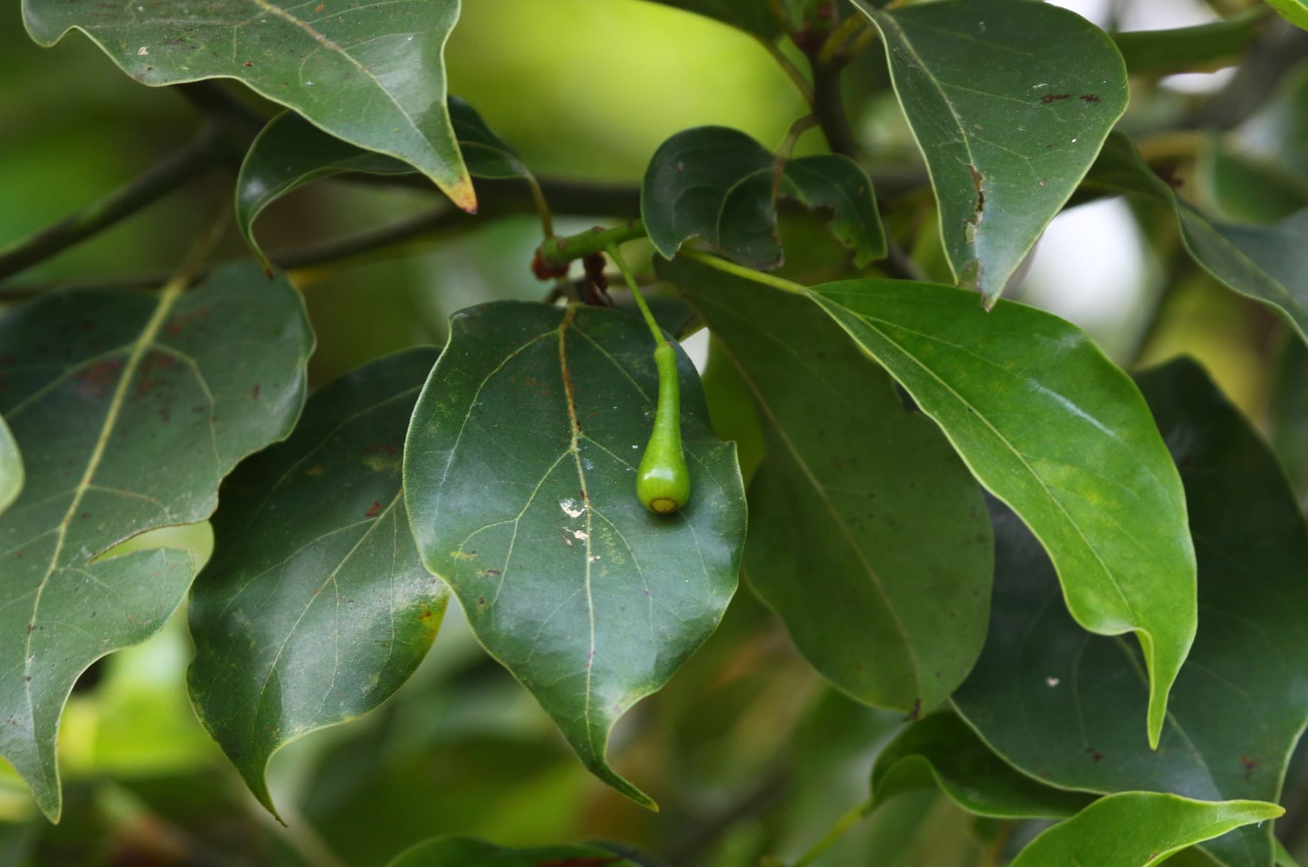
792, 71
829, 106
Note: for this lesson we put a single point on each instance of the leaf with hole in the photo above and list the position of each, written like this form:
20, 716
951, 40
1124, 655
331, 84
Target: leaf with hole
291, 152
1060, 433
719, 184
1010, 101
868, 535
1231, 726
316, 606
371, 74
519, 475
130, 409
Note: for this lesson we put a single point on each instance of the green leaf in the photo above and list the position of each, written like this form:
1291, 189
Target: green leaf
371, 74
520, 478
1190, 49
291, 152
1247, 188
1010, 100
1278, 130
316, 606
1294, 11
717, 184
1289, 411
11, 467
130, 409
1060, 433
943, 751
1138, 829
1283, 858
752, 16
1067, 706
1266, 263
868, 536
470, 852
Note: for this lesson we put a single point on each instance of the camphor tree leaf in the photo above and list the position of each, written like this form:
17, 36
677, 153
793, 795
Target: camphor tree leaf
371, 74
316, 606
519, 475
1294, 11
1061, 434
1066, 706
1267, 263
1010, 101
1138, 829
941, 750
752, 16
11, 467
130, 409
868, 535
291, 152
470, 852
717, 184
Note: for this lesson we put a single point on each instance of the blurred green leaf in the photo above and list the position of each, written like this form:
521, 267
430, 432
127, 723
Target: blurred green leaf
1249, 189
1008, 126
349, 70
521, 459
291, 152
1052, 427
1190, 49
731, 407
721, 185
868, 535
278, 653
1289, 410
11, 468
469, 852
1241, 700
752, 16
1294, 11
130, 409
1139, 829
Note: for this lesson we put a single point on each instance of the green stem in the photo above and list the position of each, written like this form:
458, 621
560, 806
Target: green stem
831, 48
838, 830
654, 329
560, 251
746, 273
792, 71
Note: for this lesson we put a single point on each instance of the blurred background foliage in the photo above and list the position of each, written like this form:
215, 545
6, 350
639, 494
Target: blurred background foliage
746, 750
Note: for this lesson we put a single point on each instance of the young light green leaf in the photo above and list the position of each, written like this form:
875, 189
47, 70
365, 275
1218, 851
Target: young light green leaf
471, 852
372, 74
316, 606
291, 152
519, 475
1007, 123
1267, 263
11, 468
941, 750
868, 535
1294, 11
1060, 433
752, 16
1231, 726
718, 184
1139, 829
130, 409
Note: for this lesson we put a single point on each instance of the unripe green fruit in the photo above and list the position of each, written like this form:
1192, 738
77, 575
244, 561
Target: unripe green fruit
663, 481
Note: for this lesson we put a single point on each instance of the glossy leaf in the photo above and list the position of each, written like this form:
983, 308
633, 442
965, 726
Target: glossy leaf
291, 152
752, 16
941, 750
1139, 829
1057, 431
1266, 263
316, 606
1190, 49
718, 184
1067, 706
470, 852
11, 467
130, 409
371, 74
1294, 11
1010, 101
868, 536
519, 475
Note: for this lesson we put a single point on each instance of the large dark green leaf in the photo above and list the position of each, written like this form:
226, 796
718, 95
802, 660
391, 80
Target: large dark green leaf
867, 533
1067, 706
372, 74
1266, 263
718, 184
1010, 101
752, 16
1138, 829
519, 476
291, 152
130, 409
471, 852
11, 468
1060, 433
942, 751
316, 606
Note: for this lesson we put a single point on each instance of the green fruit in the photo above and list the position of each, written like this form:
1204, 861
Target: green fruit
663, 482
